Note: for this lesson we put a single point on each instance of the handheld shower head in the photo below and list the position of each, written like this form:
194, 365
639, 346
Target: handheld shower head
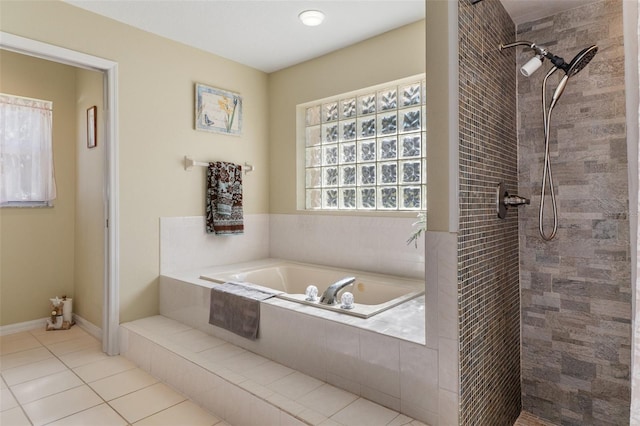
581, 60
574, 67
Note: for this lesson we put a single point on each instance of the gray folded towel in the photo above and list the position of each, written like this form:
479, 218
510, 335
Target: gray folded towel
236, 307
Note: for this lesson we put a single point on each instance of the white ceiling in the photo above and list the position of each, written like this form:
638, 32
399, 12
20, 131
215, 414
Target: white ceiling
267, 35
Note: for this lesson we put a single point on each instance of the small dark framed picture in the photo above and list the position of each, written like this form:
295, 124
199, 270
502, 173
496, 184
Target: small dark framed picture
92, 128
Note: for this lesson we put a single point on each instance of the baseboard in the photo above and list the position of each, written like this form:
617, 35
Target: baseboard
90, 328
23, 326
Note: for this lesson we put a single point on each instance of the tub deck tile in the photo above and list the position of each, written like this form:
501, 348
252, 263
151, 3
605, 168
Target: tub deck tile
278, 391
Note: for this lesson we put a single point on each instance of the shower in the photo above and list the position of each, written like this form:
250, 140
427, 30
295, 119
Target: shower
570, 69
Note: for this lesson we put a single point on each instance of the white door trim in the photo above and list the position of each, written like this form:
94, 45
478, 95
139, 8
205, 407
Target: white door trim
111, 303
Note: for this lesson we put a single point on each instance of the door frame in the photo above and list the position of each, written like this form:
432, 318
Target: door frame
111, 302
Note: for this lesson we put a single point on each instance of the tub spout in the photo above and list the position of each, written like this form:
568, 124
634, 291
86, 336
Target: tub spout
329, 297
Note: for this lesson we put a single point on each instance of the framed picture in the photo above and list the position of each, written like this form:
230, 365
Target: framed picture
92, 129
218, 110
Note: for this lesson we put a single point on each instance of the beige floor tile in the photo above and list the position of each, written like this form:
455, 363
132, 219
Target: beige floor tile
146, 402
364, 413
24, 357
184, 413
295, 385
122, 383
57, 336
14, 417
17, 342
73, 345
32, 371
83, 357
100, 415
61, 405
327, 400
103, 368
44, 386
7, 401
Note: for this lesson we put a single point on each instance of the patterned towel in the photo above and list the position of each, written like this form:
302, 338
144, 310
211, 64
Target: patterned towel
224, 198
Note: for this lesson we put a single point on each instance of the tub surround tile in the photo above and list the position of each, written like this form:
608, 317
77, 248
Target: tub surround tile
287, 397
267, 373
332, 351
418, 383
295, 385
380, 366
185, 245
327, 400
372, 244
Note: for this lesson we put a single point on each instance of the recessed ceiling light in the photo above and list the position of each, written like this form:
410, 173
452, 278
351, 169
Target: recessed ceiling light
311, 18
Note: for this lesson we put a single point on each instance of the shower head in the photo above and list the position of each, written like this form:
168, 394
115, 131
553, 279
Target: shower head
576, 65
572, 68
581, 60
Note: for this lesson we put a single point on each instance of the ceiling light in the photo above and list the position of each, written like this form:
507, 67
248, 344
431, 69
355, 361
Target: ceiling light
311, 18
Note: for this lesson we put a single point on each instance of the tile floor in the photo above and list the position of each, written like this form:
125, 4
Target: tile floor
63, 378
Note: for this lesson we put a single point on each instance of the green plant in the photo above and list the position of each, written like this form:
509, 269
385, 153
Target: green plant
420, 226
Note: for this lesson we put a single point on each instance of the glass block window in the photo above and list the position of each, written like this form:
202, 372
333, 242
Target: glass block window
365, 150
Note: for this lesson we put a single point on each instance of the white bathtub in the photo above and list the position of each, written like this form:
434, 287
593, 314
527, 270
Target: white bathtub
373, 293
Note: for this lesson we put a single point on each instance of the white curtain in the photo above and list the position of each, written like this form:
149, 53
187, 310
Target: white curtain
26, 151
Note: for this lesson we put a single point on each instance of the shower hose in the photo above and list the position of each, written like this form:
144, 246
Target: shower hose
546, 174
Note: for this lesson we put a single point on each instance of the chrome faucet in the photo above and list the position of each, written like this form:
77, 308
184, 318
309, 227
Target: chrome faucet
330, 294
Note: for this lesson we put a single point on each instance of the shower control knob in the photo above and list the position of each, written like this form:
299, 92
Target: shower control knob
515, 200
504, 201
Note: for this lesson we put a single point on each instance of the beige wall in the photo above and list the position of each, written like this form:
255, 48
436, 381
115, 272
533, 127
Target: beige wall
37, 260
89, 211
372, 62
156, 98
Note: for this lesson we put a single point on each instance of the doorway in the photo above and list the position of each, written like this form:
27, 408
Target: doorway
109, 69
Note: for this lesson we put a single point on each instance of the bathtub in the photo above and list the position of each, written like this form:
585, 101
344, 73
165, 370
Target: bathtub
373, 293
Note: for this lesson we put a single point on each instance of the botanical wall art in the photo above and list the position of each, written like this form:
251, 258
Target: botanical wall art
218, 110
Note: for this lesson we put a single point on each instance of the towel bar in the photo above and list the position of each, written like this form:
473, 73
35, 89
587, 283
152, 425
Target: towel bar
190, 163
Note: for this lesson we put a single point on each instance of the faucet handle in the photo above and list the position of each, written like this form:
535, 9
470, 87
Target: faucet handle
312, 293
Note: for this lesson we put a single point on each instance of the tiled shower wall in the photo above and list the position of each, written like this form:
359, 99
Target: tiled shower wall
488, 293
576, 294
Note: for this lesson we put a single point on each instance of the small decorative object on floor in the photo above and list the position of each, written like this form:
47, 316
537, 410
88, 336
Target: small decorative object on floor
61, 315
